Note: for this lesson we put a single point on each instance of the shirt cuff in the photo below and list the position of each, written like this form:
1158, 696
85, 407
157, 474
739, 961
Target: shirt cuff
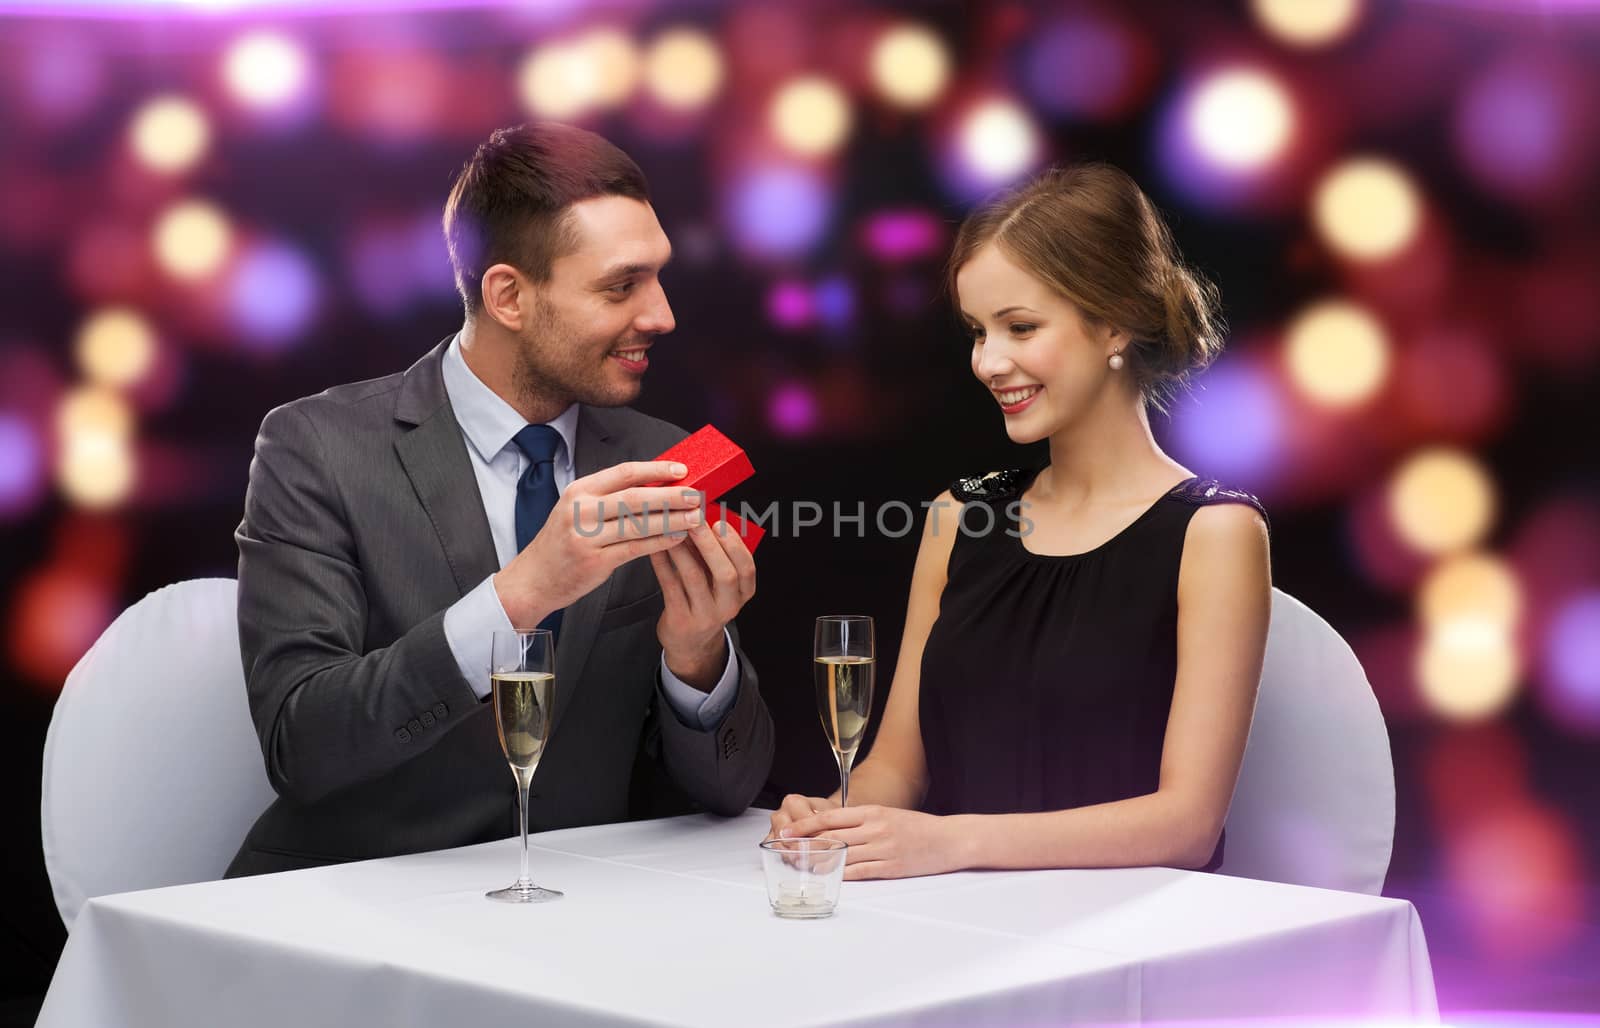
692, 706
469, 627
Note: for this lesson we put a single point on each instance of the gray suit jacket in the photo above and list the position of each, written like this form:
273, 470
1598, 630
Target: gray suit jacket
362, 524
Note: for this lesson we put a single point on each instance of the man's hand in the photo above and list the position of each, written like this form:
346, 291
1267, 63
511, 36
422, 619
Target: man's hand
586, 537
704, 584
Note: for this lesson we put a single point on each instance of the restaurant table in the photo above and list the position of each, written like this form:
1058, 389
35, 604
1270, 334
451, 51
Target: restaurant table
666, 923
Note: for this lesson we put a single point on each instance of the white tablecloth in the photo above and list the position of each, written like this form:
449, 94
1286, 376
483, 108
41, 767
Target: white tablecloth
666, 923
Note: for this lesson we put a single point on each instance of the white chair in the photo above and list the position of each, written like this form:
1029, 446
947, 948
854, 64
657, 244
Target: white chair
152, 769
1315, 799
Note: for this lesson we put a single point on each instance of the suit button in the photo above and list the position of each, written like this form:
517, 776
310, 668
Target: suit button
402, 735
440, 710
427, 719
415, 726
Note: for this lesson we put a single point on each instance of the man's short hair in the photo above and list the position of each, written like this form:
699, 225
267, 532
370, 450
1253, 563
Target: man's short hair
511, 201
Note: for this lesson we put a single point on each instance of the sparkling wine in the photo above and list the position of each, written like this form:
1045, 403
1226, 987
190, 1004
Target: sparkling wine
522, 715
844, 700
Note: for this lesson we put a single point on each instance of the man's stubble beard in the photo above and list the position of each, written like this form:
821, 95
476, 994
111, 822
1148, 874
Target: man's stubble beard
552, 367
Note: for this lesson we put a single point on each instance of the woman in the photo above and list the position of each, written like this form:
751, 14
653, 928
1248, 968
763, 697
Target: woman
1074, 686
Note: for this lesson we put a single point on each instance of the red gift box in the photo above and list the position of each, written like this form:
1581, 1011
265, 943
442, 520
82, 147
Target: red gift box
750, 534
716, 464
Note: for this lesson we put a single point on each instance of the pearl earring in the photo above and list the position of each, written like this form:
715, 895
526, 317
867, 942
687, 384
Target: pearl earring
1116, 360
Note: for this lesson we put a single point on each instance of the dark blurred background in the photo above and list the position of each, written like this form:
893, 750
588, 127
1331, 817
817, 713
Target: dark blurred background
208, 209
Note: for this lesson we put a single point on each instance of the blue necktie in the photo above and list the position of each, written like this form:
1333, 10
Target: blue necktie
536, 491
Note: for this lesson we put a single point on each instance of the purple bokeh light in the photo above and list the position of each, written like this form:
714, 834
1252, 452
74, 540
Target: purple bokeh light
21, 465
1203, 178
903, 235
394, 264
1083, 65
1518, 127
62, 77
835, 300
273, 295
792, 410
992, 143
777, 212
789, 305
430, 258
1232, 426
1572, 663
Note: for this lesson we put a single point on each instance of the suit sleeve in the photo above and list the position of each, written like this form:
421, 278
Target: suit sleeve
328, 713
722, 768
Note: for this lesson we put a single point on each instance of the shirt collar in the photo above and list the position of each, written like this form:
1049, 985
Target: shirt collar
488, 421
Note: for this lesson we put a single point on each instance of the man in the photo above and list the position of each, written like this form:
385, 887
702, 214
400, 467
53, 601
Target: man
392, 526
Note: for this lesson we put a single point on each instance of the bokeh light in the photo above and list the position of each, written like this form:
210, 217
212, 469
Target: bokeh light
789, 305
399, 95
615, 62
1307, 23
110, 261
1470, 770
568, 79
1086, 64
683, 69
835, 300
22, 464
1385, 559
777, 211
57, 614
61, 75
1367, 209
192, 239
116, 347
1517, 873
555, 81
397, 264
1232, 426
272, 295
810, 116
910, 66
1470, 586
1524, 127
1337, 353
170, 134
1572, 663
1441, 500
997, 142
95, 462
792, 410
266, 70
1468, 668
1449, 383
1240, 119
903, 235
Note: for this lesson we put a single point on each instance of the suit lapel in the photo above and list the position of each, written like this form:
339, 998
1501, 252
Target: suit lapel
597, 447
434, 455
435, 458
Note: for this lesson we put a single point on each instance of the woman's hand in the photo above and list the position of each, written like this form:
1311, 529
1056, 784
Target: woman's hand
795, 807
885, 842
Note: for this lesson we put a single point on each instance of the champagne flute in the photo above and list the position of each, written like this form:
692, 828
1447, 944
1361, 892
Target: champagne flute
522, 669
843, 660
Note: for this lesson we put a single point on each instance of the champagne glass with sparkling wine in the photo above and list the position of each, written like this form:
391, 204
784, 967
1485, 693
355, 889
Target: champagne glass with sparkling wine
522, 668
843, 660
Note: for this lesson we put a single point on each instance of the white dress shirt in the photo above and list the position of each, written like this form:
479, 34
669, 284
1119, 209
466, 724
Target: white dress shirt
489, 423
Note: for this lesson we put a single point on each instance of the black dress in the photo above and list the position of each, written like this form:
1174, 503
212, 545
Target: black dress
1046, 681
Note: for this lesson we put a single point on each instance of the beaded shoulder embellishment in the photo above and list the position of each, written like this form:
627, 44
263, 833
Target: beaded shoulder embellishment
996, 485
1205, 491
